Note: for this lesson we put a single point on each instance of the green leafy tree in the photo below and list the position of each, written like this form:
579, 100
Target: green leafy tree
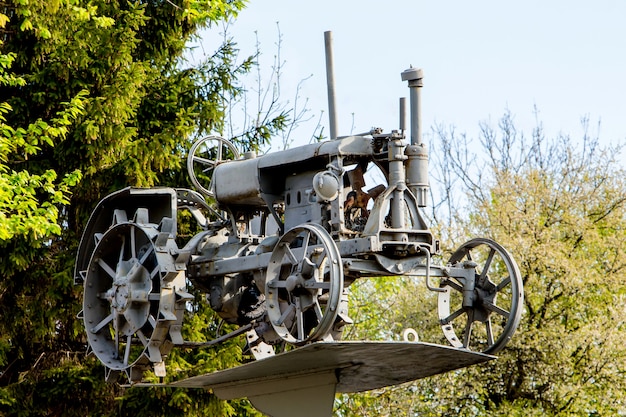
95, 96
559, 206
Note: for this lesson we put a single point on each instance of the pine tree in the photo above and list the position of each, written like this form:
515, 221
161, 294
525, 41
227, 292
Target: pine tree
94, 96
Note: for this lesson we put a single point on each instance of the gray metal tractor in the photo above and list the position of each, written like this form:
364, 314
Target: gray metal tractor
283, 237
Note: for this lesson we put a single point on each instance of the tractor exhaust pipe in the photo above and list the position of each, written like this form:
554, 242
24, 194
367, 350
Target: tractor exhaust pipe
330, 82
417, 153
415, 77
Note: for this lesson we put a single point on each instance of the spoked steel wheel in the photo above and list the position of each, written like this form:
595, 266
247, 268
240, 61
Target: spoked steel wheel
127, 309
204, 155
304, 285
481, 310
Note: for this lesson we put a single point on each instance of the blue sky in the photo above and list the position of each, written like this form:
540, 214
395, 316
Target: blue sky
567, 58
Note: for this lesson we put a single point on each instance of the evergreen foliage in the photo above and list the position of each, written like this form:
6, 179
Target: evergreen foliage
94, 96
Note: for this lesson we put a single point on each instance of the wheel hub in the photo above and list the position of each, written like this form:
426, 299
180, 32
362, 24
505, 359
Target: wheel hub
485, 296
128, 295
293, 282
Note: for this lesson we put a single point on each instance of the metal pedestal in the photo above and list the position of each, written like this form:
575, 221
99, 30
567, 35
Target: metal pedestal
304, 381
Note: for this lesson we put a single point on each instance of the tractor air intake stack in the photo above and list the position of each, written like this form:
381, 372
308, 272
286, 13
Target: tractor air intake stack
417, 164
330, 82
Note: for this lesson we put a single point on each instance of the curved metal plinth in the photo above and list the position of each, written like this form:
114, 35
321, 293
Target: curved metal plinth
304, 381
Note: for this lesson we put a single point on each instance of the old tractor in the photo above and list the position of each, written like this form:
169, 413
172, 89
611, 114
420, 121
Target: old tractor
282, 237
